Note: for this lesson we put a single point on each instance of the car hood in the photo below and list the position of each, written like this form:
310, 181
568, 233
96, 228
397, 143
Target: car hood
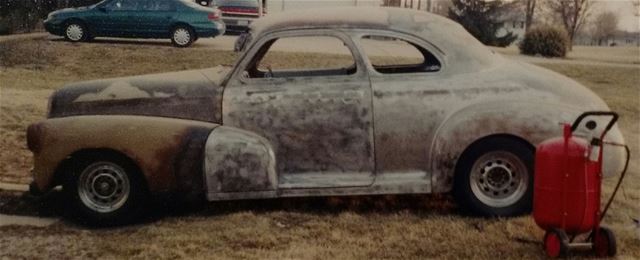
67, 11
195, 95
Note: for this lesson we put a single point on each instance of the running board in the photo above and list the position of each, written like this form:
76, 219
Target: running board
389, 183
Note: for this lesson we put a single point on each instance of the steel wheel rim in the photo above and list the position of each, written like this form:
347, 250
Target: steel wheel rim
499, 179
103, 187
181, 36
75, 32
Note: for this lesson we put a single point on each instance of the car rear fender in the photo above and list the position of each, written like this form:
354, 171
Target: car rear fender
168, 152
238, 161
527, 121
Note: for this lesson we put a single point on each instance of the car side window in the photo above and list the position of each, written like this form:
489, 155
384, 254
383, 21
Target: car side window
123, 5
390, 55
289, 57
157, 5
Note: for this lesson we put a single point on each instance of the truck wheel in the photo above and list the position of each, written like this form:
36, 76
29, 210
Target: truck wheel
604, 244
556, 243
75, 31
494, 178
105, 190
182, 36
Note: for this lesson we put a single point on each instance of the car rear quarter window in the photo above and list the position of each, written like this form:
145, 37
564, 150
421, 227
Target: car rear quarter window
391, 55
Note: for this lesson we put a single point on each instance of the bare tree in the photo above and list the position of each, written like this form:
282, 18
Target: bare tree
571, 13
604, 27
530, 8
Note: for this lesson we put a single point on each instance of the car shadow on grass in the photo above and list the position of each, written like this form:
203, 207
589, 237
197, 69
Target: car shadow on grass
123, 41
53, 205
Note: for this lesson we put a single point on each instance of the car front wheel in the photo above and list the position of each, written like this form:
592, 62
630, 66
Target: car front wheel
182, 36
494, 178
75, 32
105, 190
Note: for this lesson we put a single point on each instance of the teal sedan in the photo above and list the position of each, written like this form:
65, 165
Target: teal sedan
182, 21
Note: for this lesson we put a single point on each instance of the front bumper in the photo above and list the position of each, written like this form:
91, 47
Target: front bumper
53, 27
613, 157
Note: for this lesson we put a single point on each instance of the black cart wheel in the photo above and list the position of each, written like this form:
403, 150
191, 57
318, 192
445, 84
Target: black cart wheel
494, 177
104, 190
556, 243
604, 243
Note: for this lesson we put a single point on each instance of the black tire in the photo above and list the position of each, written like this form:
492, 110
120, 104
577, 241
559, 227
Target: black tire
96, 186
76, 31
556, 243
182, 36
494, 178
604, 244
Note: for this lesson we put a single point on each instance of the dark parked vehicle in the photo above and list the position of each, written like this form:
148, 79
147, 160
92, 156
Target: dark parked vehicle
180, 20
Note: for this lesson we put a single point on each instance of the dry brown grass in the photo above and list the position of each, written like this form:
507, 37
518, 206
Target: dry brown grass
404, 227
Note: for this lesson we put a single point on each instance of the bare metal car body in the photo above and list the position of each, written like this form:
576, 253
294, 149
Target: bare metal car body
219, 134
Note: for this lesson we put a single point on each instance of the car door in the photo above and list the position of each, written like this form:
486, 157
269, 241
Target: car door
118, 18
155, 17
411, 99
318, 120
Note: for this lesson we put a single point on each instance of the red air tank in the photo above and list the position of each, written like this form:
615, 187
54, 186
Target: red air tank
566, 183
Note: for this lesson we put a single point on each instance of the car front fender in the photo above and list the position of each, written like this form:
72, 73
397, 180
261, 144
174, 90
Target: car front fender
167, 151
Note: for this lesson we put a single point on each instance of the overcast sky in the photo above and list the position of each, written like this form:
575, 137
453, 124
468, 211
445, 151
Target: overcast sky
625, 10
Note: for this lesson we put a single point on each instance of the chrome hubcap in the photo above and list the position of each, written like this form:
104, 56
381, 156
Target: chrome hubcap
103, 187
181, 36
75, 32
499, 179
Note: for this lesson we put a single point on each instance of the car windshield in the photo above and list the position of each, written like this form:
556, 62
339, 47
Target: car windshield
98, 3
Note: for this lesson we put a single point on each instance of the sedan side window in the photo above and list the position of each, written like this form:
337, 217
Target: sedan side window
389, 55
291, 56
123, 5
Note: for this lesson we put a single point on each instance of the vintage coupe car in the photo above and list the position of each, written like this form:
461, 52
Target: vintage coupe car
463, 119
182, 21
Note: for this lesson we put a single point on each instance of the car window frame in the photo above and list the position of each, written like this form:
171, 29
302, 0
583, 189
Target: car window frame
410, 39
173, 3
252, 50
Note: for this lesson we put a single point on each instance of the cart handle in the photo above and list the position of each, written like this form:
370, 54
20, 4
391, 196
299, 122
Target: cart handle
614, 119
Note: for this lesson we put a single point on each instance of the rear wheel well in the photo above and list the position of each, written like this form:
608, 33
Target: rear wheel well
493, 137
182, 24
72, 162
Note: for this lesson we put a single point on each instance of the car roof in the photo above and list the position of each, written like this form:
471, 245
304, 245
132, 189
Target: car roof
449, 37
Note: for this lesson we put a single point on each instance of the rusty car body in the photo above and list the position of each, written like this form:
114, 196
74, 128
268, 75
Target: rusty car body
469, 125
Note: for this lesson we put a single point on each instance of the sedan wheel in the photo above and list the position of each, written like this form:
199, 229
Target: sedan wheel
182, 37
494, 177
75, 32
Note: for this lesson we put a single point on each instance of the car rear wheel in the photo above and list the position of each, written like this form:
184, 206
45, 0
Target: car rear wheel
494, 178
182, 36
75, 32
105, 190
